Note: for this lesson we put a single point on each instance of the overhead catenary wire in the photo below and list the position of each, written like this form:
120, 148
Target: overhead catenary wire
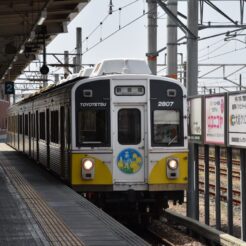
222, 54
214, 50
113, 33
105, 18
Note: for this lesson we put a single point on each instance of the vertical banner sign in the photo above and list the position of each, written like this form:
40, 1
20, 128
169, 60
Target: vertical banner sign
215, 110
237, 120
195, 119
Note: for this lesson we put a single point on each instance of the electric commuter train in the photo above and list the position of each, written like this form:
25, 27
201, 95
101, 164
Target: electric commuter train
118, 136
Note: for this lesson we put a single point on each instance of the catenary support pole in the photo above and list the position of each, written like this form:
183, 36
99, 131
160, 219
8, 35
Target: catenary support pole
243, 193
192, 74
75, 63
56, 78
66, 64
217, 188
152, 35
229, 192
78, 49
206, 184
196, 179
172, 40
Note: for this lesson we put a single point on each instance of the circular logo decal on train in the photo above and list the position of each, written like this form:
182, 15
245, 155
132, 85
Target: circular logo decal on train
129, 161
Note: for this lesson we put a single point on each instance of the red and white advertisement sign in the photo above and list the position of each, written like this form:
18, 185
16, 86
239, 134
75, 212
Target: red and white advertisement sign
215, 120
237, 120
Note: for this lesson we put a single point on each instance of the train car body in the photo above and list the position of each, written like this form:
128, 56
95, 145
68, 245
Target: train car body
119, 135
4, 105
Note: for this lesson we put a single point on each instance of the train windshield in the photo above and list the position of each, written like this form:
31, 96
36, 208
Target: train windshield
129, 124
93, 127
166, 127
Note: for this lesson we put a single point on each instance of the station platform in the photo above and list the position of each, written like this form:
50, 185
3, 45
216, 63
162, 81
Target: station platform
36, 208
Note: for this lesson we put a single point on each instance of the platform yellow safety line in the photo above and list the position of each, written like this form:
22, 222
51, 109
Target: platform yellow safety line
57, 232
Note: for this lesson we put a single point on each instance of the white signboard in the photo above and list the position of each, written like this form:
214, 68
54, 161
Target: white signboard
237, 120
215, 120
195, 119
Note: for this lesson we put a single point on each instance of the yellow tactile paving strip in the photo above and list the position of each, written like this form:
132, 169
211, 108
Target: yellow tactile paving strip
55, 229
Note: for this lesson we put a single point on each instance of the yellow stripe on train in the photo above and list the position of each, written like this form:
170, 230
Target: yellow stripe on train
158, 174
102, 173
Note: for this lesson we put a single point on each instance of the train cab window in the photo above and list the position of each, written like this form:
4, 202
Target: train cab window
93, 127
129, 126
166, 127
42, 125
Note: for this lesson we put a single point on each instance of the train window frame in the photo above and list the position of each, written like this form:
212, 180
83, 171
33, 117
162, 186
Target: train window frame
54, 126
122, 133
99, 113
176, 138
128, 87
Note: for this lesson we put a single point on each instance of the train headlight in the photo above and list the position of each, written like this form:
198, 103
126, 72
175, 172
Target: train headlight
172, 164
172, 168
87, 168
88, 164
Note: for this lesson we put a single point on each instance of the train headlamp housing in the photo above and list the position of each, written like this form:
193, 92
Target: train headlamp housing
88, 168
172, 168
87, 164
172, 164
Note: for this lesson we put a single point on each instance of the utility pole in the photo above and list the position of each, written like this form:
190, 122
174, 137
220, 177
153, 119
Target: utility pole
152, 35
172, 41
79, 49
192, 84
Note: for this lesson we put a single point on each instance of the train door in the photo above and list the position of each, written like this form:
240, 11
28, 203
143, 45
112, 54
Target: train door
129, 144
29, 133
62, 140
48, 137
37, 136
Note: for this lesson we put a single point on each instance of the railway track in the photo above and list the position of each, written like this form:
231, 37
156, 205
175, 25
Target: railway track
223, 173
222, 160
150, 235
222, 194
210, 235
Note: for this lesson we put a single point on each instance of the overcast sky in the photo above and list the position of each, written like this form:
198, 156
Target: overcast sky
131, 41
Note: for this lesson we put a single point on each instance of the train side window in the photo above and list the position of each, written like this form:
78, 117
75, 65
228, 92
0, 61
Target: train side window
93, 127
33, 125
54, 127
42, 125
129, 126
20, 124
26, 125
166, 127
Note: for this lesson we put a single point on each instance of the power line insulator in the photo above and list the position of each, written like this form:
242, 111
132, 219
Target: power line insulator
110, 7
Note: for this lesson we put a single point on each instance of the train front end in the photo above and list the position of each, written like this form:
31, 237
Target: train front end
129, 139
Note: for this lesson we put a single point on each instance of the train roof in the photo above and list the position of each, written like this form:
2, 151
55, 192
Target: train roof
120, 66
107, 67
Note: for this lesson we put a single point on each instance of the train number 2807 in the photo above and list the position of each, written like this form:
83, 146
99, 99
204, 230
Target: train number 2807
165, 104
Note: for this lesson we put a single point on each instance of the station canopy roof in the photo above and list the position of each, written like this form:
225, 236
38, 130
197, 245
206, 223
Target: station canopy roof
25, 24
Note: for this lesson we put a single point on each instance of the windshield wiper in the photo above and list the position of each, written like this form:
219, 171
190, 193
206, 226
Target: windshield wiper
173, 139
